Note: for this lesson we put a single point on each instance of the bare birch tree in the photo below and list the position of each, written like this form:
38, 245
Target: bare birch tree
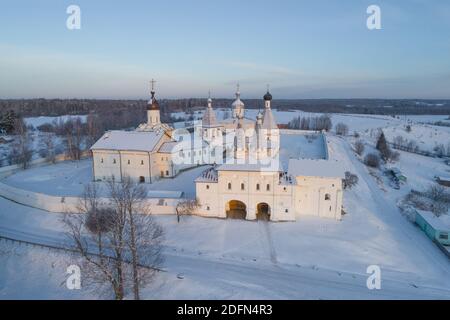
120, 244
93, 231
142, 234
21, 151
186, 207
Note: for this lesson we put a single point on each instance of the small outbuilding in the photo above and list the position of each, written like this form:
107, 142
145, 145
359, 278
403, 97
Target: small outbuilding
443, 181
434, 227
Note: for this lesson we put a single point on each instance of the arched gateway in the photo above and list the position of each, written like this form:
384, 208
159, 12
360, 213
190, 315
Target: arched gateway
263, 211
236, 210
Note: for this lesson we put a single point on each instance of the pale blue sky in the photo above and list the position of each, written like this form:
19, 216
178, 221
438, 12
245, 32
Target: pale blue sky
304, 49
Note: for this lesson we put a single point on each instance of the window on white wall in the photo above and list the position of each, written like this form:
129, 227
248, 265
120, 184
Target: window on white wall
268, 187
114, 161
128, 161
327, 196
242, 186
142, 162
229, 185
257, 186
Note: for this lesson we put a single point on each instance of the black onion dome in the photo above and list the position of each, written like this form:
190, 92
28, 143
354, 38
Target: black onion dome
267, 96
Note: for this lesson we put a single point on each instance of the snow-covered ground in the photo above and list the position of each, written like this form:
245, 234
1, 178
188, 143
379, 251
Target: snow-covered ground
312, 258
309, 146
69, 178
37, 121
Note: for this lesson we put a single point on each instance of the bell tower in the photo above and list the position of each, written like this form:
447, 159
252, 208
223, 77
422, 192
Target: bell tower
153, 111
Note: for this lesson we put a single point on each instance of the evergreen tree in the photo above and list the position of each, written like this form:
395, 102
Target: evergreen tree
7, 121
383, 147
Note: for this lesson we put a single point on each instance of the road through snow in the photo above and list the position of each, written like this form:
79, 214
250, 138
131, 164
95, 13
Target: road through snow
249, 279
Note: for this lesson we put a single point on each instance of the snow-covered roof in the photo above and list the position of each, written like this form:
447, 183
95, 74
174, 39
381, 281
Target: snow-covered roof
164, 194
168, 147
237, 103
315, 168
269, 122
128, 140
274, 167
154, 127
209, 118
441, 178
209, 175
441, 223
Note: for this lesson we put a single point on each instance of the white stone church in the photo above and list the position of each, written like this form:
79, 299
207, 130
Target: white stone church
245, 178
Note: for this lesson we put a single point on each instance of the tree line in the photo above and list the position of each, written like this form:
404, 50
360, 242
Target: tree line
57, 107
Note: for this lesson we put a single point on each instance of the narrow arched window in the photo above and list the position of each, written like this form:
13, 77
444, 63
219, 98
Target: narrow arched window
229, 185
257, 186
327, 196
242, 186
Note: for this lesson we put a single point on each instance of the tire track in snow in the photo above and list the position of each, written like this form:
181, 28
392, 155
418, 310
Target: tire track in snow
264, 228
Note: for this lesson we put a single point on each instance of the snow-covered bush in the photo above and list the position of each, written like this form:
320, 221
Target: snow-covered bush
359, 147
435, 199
350, 180
372, 160
341, 129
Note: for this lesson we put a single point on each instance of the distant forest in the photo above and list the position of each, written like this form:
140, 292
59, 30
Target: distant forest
57, 107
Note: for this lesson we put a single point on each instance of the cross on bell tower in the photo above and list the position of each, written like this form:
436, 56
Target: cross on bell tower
152, 83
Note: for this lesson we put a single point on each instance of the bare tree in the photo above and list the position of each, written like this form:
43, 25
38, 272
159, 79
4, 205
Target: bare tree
341, 129
74, 137
21, 151
359, 147
142, 235
120, 244
47, 143
93, 231
186, 207
93, 129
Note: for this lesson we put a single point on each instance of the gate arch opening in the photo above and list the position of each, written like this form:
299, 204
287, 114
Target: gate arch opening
236, 210
263, 211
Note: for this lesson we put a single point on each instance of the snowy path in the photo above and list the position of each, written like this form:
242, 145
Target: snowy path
266, 236
252, 279
246, 280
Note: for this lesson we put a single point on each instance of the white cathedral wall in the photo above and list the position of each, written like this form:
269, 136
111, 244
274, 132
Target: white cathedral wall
310, 197
135, 165
208, 197
106, 164
276, 197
